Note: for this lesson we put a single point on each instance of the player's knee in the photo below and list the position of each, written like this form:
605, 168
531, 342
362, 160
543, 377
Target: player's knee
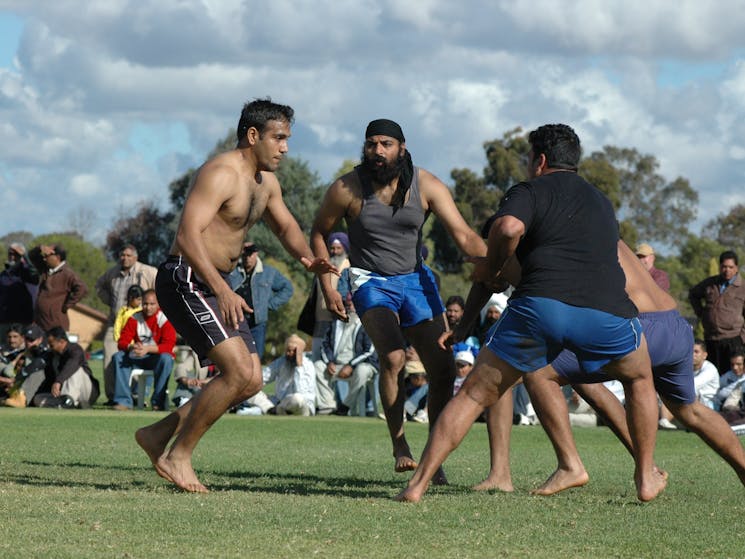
393, 362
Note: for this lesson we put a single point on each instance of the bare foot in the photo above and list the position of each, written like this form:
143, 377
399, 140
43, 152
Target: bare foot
181, 474
439, 478
495, 482
153, 441
648, 487
405, 463
409, 495
561, 480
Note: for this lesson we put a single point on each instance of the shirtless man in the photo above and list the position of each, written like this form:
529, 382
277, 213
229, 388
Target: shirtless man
571, 293
670, 342
385, 202
230, 193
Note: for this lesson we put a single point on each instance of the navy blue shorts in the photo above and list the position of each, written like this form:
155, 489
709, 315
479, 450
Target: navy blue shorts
532, 331
192, 308
413, 297
670, 344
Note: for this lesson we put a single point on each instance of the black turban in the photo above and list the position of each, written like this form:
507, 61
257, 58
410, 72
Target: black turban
385, 127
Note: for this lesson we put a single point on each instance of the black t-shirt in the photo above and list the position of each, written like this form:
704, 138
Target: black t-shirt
569, 251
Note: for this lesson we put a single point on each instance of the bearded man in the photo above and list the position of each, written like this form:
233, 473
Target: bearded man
385, 201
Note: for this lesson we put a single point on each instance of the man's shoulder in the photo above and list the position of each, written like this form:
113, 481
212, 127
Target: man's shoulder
142, 267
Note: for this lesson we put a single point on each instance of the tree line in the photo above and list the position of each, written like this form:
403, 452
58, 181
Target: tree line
650, 208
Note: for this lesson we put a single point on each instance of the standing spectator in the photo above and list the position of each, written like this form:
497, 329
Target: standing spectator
645, 254
722, 311
112, 288
60, 288
19, 284
315, 319
146, 342
295, 376
72, 383
264, 288
348, 355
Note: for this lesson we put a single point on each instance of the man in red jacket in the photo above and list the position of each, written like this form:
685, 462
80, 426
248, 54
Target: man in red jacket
146, 342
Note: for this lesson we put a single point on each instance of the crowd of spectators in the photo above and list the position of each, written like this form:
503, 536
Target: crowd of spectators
336, 373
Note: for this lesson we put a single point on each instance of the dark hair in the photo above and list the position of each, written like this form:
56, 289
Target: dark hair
455, 300
699, 341
260, 111
57, 332
148, 292
134, 291
558, 143
728, 255
16, 327
60, 251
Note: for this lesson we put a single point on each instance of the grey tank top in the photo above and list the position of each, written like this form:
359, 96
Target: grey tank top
385, 239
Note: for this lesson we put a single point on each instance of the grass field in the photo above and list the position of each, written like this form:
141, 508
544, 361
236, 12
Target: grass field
74, 484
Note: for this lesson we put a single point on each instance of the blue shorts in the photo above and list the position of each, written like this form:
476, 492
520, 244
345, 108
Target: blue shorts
670, 343
532, 331
413, 297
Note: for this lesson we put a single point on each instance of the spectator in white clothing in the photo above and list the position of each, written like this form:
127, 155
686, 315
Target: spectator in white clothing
295, 376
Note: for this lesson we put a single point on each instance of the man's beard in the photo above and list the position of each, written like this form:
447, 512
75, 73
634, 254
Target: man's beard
385, 174
337, 259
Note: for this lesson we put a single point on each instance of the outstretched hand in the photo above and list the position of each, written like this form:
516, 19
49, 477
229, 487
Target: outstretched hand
335, 305
482, 274
319, 266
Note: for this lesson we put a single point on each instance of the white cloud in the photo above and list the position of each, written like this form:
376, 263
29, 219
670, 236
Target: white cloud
453, 74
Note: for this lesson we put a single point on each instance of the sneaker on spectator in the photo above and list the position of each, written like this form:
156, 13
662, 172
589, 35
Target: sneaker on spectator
666, 424
421, 417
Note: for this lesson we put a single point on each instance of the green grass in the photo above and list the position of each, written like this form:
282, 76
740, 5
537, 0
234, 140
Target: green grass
74, 484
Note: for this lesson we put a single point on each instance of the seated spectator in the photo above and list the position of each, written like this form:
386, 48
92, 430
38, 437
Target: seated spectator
705, 381
705, 375
581, 413
729, 399
70, 382
10, 352
29, 371
416, 387
348, 355
463, 364
146, 342
295, 376
190, 375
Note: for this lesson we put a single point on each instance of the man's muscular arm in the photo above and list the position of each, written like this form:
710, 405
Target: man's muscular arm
285, 227
214, 186
437, 197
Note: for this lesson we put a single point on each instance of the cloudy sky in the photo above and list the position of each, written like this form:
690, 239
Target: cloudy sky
102, 104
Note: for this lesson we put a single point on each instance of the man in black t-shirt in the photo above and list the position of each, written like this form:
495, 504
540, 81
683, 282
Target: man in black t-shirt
571, 295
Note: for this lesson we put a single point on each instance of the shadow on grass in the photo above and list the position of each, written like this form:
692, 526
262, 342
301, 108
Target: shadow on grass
282, 483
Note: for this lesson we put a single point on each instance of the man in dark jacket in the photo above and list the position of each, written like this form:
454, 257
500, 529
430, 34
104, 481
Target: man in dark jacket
722, 311
70, 382
19, 283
